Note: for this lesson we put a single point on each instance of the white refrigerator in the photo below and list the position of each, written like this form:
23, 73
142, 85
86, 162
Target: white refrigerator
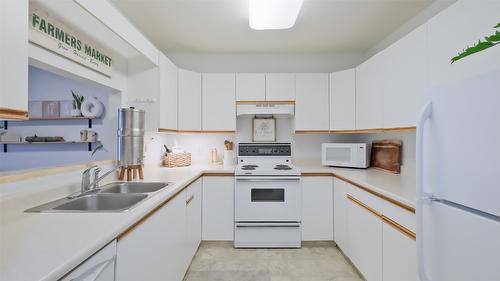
458, 182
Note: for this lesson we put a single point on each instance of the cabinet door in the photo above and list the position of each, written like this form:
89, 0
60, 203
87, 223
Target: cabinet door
168, 93
218, 100
405, 79
365, 240
474, 20
250, 87
312, 104
317, 208
340, 215
14, 59
280, 87
189, 110
343, 100
370, 93
399, 255
218, 208
193, 219
100, 265
154, 249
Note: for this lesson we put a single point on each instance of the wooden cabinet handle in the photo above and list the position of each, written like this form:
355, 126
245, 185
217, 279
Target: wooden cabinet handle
364, 206
189, 199
403, 230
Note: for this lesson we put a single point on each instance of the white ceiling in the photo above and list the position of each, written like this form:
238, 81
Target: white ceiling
221, 26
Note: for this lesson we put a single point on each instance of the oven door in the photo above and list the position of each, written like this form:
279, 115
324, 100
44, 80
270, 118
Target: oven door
270, 198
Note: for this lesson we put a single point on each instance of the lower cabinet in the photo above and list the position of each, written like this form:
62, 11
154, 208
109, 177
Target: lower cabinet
193, 219
399, 255
377, 236
317, 208
161, 247
340, 215
218, 208
99, 267
365, 240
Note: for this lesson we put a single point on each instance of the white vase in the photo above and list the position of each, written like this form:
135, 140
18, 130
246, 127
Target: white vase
228, 157
92, 108
76, 113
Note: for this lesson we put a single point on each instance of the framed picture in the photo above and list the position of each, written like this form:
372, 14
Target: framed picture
264, 129
65, 108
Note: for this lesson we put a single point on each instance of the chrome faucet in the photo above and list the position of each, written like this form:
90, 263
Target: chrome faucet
87, 186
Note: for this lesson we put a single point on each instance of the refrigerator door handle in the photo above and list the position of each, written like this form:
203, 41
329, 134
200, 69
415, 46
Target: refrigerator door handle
422, 196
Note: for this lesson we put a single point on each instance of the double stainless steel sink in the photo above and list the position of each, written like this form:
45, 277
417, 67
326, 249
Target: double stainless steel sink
112, 197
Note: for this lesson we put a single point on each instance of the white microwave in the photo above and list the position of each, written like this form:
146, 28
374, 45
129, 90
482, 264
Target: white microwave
353, 155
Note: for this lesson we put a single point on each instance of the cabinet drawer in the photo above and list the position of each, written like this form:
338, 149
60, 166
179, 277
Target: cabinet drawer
366, 198
399, 215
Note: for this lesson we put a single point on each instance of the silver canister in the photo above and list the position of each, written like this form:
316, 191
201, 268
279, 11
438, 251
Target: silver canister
131, 124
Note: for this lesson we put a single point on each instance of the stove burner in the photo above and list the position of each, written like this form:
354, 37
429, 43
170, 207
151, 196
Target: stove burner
249, 167
282, 167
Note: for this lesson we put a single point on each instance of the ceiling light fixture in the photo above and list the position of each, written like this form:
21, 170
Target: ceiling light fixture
273, 14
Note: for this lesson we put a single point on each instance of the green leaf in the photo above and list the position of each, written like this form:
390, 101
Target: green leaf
97, 148
491, 41
497, 26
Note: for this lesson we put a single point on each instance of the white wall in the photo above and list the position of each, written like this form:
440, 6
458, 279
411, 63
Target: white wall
319, 62
44, 85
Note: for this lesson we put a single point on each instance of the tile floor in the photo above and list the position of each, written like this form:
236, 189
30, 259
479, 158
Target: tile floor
317, 261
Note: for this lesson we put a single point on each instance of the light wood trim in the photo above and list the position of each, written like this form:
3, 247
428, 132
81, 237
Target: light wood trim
218, 174
189, 199
316, 174
364, 206
312, 131
11, 113
164, 130
361, 131
266, 102
26, 175
410, 234
395, 202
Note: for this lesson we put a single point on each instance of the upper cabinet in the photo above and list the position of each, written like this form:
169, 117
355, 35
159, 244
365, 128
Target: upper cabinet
189, 101
168, 93
370, 93
219, 104
343, 100
461, 25
250, 87
312, 104
14, 59
405, 79
280, 87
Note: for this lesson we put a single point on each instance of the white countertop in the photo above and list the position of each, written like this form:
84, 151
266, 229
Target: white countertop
400, 187
45, 246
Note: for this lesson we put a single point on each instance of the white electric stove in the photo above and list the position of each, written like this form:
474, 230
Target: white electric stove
268, 197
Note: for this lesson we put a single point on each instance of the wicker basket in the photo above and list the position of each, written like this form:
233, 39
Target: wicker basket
172, 160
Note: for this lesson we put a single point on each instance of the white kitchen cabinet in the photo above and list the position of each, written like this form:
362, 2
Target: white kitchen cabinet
218, 208
405, 79
250, 87
399, 255
340, 215
317, 208
370, 93
155, 248
193, 219
449, 32
168, 93
189, 101
280, 87
364, 230
14, 59
312, 102
99, 267
343, 100
218, 102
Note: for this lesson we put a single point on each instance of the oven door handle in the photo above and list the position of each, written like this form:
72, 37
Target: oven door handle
256, 178
267, 224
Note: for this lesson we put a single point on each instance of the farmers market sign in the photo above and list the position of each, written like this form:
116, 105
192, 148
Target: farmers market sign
58, 38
